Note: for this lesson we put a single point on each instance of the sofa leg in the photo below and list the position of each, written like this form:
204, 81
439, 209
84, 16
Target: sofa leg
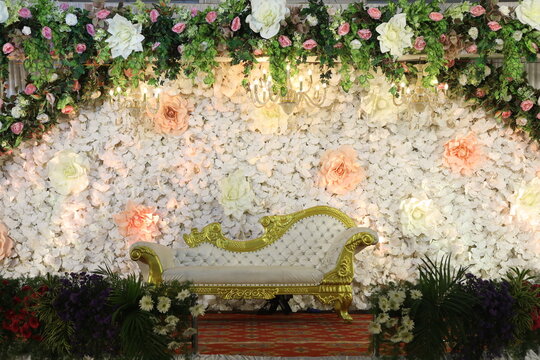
342, 305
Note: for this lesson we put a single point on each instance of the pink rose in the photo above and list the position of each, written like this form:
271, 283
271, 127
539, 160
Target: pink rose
50, 98
480, 93
419, 43
364, 34
155, 45
494, 26
374, 13
257, 52
64, 6
194, 12
211, 17
478, 10
30, 89
471, 49
46, 32
180, 49
154, 14
338, 45
309, 44
138, 222
25, 13
68, 109
17, 128
236, 24
80, 48
8, 48
443, 38
506, 114
173, 114
340, 171
102, 14
436, 16
526, 105
179, 28
538, 116
284, 41
90, 29
344, 29
462, 155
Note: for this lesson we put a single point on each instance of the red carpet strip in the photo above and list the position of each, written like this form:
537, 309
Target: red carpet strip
298, 334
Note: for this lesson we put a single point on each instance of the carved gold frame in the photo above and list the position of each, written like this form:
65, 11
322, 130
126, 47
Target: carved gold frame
334, 288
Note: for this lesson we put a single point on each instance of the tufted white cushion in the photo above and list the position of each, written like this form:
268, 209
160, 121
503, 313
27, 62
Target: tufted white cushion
253, 275
304, 244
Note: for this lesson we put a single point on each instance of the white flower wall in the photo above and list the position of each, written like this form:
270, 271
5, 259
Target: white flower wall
488, 220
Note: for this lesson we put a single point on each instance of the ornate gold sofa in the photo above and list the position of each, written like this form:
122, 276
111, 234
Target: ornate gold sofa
309, 252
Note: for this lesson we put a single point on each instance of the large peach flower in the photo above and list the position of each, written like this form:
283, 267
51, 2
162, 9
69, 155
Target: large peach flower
137, 222
6, 243
462, 155
173, 114
340, 172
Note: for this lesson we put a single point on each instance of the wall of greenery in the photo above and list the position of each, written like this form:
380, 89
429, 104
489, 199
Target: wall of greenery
75, 56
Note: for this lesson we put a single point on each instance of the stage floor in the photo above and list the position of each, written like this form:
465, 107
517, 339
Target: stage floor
293, 335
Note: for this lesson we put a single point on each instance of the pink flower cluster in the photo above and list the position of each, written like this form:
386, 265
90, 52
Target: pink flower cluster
137, 222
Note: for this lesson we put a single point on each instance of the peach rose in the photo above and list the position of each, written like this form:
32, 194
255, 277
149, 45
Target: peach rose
340, 172
137, 222
6, 243
173, 114
462, 155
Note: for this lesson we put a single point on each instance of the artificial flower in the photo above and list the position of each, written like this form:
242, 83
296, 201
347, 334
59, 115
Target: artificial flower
6, 243
137, 222
494, 26
340, 171
269, 119
528, 13
374, 13
309, 44
284, 41
68, 172
146, 303
125, 37
164, 304
419, 216
236, 194
527, 202
26, 31
154, 14
80, 48
25, 13
378, 103
419, 43
30, 89
477, 10
17, 128
172, 116
436, 16
236, 24
473, 33
344, 29
179, 27
365, 34
102, 14
182, 295
71, 19
90, 30
312, 20
46, 32
526, 105
395, 36
463, 154
266, 16
521, 121
355, 44
471, 49
211, 17
197, 310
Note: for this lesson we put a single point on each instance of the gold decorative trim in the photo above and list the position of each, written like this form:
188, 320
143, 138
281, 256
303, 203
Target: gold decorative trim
149, 257
249, 293
274, 228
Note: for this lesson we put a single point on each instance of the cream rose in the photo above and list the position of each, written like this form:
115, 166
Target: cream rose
68, 172
418, 216
269, 119
4, 13
528, 12
527, 203
340, 171
173, 114
6, 243
266, 16
378, 103
236, 194
125, 36
395, 35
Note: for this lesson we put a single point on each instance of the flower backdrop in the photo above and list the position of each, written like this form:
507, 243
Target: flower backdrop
76, 199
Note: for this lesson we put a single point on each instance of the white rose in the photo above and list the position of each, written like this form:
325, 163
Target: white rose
16, 112
487, 70
473, 33
395, 35
517, 35
356, 44
528, 12
418, 216
463, 79
312, 20
71, 19
125, 36
500, 44
68, 172
266, 16
26, 30
527, 204
43, 118
4, 14
504, 10
269, 119
236, 194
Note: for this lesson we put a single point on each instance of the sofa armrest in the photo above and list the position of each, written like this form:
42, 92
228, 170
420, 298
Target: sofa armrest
152, 259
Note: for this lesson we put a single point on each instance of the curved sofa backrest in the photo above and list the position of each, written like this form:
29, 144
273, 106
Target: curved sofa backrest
305, 243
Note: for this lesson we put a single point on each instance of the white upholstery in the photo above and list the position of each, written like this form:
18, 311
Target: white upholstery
224, 275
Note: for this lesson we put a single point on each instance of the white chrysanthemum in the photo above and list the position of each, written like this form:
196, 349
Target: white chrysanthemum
374, 328
266, 16
68, 172
384, 303
419, 217
164, 304
407, 323
197, 310
4, 13
189, 332
236, 194
269, 119
182, 295
416, 294
527, 203
146, 303
395, 36
378, 103
528, 12
125, 36
171, 320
